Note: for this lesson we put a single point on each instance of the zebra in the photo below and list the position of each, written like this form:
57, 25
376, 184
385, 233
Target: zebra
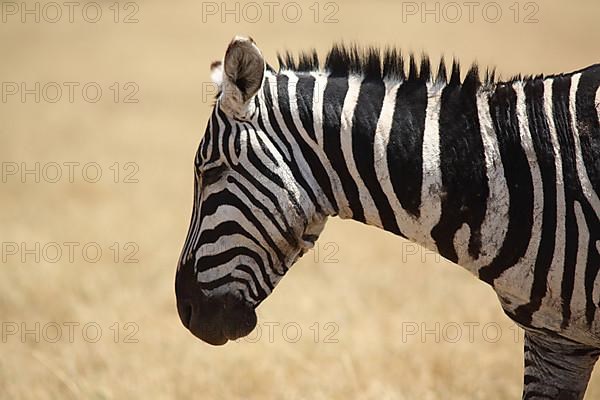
499, 177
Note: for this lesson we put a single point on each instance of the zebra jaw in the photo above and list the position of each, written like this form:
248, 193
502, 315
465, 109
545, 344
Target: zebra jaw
308, 242
311, 233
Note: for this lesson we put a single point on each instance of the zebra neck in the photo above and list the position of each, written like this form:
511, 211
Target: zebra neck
384, 144
373, 151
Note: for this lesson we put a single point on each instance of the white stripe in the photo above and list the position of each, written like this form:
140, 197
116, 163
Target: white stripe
227, 242
554, 279
294, 111
231, 146
596, 291
522, 272
222, 270
350, 102
223, 244
431, 189
267, 220
495, 222
264, 113
317, 108
213, 131
282, 171
578, 300
194, 230
304, 201
240, 274
597, 103
216, 132
317, 104
276, 218
187, 251
230, 268
407, 223
222, 214
228, 288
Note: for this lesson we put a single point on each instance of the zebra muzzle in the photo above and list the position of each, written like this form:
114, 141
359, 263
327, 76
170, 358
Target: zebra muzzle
213, 319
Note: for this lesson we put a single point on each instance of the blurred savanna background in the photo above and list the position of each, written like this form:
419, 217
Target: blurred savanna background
102, 109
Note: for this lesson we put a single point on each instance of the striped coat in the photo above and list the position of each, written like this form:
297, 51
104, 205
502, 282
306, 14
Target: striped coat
502, 178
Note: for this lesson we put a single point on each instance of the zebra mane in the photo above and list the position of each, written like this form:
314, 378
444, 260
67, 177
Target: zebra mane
377, 64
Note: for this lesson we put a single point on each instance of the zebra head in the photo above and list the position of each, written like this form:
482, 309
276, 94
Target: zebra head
251, 218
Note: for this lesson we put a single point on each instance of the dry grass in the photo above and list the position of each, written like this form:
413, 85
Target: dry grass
372, 294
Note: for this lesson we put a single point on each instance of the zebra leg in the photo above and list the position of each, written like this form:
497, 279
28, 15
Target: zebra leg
556, 368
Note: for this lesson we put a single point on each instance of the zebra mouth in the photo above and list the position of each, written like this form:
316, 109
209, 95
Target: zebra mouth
217, 320
213, 319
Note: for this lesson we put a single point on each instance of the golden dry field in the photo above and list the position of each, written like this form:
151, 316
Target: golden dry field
367, 316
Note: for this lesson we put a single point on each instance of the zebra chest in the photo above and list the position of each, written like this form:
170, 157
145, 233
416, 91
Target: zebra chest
549, 279
538, 251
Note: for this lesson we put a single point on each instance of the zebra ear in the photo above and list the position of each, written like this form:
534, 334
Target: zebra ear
244, 70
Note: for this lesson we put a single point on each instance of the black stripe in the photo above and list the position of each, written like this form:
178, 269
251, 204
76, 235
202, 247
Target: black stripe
304, 93
263, 147
192, 230
229, 228
317, 169
333, 103
518, 179
542, 143
305, 88
237, 146
257, 185
284, 108
562, 118
273, 122
276, 179
221, 131
210, 206
227, 279
405, 147
364, 124
593, 263
208, 262
462, 162
224, 280
588, 129
234, 132
248, 270
285, 231
588, 125
205, 143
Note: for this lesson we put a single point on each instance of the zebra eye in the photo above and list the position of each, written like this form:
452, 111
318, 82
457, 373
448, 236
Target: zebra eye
212, 174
